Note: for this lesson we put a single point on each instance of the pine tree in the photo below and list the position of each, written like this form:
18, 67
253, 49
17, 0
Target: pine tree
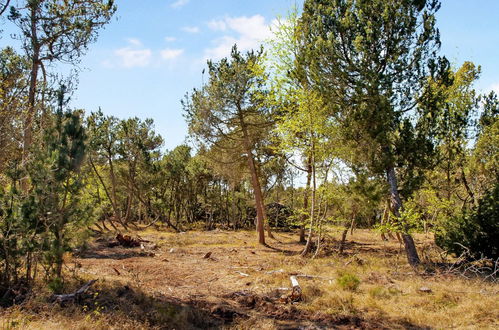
369, 61
230, 114
57, 184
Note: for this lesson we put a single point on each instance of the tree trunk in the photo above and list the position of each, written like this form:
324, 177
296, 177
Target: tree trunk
409, 245
468, 189
116, 209
308, 246
259, 204
343, 239
383, 221
352, 225
305, 199
28, 121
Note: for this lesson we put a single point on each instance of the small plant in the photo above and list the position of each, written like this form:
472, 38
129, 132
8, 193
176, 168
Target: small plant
56, 284
379, 292
348, 282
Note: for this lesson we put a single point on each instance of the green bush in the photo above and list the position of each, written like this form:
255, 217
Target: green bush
348, 282
476, 232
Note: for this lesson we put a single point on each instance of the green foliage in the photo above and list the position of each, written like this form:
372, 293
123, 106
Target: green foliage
18, 226
348, 281
369, 61
474, 233
13, 76
54, 30
42, 224
56, 193
231, 103
408, 221
56, 285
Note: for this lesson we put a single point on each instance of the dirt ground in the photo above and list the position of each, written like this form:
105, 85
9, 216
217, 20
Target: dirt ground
223, 279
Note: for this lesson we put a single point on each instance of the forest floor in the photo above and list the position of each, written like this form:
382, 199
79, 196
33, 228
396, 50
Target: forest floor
224, 279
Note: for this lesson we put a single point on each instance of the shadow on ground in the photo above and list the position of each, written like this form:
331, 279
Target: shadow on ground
124, 306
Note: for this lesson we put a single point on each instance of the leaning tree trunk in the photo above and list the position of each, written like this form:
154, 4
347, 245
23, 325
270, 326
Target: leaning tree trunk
260, 207
409, 245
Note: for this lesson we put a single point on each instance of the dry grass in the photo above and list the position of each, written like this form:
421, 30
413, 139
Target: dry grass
174, 286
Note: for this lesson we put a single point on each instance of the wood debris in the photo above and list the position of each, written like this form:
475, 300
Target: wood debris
296, 292
63, 298
425, 289
125, 241
242, 274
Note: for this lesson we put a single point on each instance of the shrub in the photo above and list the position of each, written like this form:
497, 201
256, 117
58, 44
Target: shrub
348, 282
475, 232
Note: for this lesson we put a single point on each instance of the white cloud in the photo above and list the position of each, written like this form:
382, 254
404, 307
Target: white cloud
170, 39
134, 42
133, 55
495, 88
190, 29
170, 54
179, 3
217, 25
247, 32
253, 27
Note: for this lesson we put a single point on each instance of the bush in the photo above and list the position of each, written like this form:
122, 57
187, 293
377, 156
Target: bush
348, 282
475, 232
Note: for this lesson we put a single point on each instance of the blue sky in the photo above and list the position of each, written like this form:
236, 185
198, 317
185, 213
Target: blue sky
147, 58
145, 61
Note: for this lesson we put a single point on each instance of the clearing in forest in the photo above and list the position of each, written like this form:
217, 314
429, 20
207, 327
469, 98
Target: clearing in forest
223, 279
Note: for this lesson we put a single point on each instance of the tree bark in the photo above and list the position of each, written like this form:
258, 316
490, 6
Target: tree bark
409, 245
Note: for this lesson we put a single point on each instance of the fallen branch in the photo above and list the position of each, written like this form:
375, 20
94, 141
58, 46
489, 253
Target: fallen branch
313, 276
242, 274
63, 298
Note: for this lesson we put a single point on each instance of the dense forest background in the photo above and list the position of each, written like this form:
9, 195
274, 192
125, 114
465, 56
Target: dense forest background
351, 97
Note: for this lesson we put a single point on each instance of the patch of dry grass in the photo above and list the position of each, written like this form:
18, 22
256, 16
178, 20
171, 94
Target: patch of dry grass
176, 286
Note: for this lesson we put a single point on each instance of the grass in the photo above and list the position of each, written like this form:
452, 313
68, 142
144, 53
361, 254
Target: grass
238, 287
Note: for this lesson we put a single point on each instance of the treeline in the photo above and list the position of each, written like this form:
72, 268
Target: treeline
348, 116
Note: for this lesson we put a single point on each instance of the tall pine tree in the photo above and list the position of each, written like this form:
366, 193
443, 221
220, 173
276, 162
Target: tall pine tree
369, 61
